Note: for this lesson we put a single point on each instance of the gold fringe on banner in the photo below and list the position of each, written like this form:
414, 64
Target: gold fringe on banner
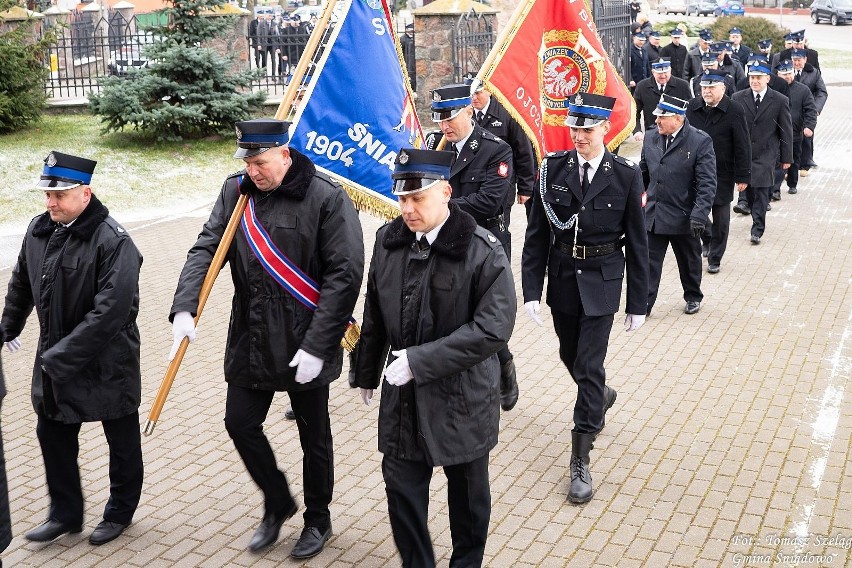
351, 337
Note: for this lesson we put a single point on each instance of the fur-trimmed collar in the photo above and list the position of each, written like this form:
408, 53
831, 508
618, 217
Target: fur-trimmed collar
83, 228
295, 183
453, 239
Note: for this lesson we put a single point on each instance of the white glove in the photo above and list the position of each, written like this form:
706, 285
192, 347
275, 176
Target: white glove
632, 322
367, 396
532, 309
639, 136
307, 366
183, 325
13, 345
399, 373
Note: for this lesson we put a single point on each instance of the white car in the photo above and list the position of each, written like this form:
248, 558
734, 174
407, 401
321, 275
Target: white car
672, 7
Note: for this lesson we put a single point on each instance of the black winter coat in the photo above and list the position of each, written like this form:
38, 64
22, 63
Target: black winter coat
680, 181
771, 134
87, 361
677, 55
610, 210
803, 111
467, 312
313, 222
812, 78
726, 126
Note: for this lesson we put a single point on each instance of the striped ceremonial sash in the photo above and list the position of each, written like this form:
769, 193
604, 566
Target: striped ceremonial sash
289, 276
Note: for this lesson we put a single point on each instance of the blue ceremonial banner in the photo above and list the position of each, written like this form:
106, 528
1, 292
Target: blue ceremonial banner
357, 112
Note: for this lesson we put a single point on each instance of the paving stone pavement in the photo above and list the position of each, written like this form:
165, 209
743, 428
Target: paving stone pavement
729, 443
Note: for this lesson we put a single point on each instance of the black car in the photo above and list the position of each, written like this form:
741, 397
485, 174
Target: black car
834, 11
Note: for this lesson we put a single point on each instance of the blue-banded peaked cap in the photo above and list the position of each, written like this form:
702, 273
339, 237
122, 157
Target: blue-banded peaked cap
586, 110
64, 171
764, 44
669, 106
710, 78
449, 100
661, 64
257, 136
414, 170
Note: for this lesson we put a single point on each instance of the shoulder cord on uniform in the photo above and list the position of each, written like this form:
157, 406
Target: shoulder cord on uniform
548, 209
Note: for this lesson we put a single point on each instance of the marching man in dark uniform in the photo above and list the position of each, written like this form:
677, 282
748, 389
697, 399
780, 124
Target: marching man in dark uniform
480, 179
491, 116
724, 120
679, 170
738, 50
675, 53
803, 113
80, 270
811, 77
588, 208
440, 297
648, 91
767, 115
286, 325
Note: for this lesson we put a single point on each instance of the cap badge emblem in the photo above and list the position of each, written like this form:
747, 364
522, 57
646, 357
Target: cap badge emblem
578, 100
403, 157
436, 96
239, 133
51, 160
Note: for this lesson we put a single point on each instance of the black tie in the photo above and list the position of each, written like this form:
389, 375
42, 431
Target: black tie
666, 143
423, 243
585, 183
757, 101
662, 89
479, 116
799, 76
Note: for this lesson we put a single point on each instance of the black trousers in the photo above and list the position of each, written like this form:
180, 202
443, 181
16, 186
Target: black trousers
792, 172
807, 157
245, 413
758, 199
720, 227
60, 448
687, 251
468, 499
583, 341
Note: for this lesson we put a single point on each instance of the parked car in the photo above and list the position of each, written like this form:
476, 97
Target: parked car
729, 8
672, 7
129, 54
701, 8
834, 11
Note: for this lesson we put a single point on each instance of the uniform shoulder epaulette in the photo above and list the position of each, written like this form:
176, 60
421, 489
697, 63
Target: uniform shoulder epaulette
118, 229
624, 161
558, 154
488, 237
489, 135
236, 174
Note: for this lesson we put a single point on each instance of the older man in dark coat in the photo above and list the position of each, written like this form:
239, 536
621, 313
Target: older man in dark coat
80, 270
724, 120
440, 297
679, 170
648, 91
771, 132
281, 336
811, 77
803, 112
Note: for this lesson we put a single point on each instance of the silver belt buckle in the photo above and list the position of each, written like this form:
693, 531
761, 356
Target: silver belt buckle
583, 249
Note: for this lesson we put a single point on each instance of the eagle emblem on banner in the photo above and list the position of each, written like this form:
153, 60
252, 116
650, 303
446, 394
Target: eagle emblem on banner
568, 64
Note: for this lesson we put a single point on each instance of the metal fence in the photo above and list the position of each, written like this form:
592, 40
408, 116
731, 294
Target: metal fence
472, 37
612, 18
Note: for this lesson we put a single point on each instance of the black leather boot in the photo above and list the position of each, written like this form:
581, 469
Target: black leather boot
581, 479
508, 385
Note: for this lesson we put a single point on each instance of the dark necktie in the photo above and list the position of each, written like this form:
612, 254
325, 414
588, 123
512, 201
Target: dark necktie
662, 89
757, 101
799, 76
666, 140
479, 116
423, 243
585, 183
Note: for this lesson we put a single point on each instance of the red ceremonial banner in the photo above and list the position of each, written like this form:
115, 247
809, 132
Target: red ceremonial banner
549, 51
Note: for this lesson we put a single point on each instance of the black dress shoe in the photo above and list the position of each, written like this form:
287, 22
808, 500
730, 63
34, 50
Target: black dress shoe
106, 531
508, 385
51, 530
270, 526
712, 268
792, 190
742, 209
755, 240
776, 196
289, 414
692, 307
311, 542
769, 207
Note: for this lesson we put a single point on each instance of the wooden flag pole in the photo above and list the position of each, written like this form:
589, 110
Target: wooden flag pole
233, 223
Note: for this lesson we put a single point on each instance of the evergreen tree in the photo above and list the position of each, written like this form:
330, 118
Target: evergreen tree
187, 90
22, 72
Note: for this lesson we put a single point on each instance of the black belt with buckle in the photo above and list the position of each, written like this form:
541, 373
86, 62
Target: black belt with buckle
582, 252
494, 223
